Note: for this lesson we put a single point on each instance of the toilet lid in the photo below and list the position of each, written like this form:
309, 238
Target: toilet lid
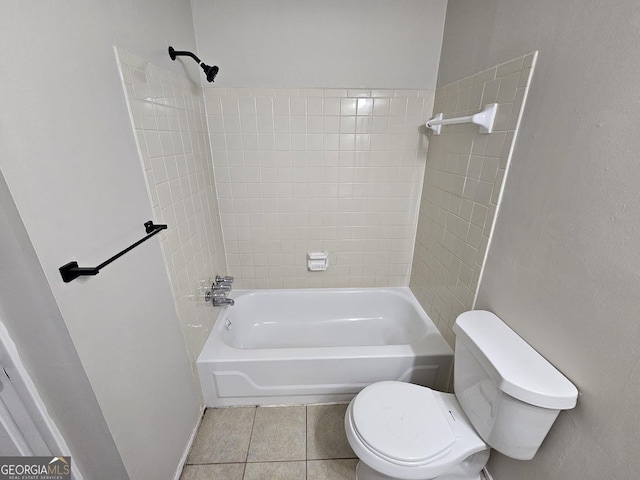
402, 421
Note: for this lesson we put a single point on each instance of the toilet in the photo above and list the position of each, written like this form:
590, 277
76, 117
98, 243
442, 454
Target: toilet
506, 397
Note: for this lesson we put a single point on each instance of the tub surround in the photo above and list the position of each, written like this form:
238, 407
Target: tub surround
463, 184
319, 345
167, 115
304, 170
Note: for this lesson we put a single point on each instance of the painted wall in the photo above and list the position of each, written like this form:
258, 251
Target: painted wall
309, 170
47, 351
463, 182
68, 154
328, 44
564, 266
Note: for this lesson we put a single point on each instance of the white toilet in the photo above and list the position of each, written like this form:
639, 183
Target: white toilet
507, 396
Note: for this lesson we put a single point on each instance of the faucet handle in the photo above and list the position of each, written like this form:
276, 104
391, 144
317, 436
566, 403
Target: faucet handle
217, 291
220, 287
224, 280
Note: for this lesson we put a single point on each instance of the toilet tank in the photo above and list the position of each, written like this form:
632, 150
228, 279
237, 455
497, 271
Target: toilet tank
510, 393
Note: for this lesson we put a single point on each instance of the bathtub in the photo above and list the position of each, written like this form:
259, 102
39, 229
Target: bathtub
277, 347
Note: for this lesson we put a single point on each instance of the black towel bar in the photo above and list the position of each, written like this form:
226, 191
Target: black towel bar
71, 270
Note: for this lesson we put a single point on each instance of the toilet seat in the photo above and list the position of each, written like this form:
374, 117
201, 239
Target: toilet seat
369, 437
402, 422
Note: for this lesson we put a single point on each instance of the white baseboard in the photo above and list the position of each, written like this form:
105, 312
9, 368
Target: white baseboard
187, 449
485, 474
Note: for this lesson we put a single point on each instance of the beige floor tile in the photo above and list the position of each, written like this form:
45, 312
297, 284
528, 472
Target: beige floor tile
276, 471
221, 471
331, 469
223, 436
325, 433
278, 434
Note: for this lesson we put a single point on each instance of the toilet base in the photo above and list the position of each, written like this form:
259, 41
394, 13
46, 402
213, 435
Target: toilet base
467, 470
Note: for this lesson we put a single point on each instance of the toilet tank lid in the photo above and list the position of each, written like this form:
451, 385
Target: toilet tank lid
513, 364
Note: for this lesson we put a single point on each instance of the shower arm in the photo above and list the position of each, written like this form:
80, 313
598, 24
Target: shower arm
210, 72
173, 54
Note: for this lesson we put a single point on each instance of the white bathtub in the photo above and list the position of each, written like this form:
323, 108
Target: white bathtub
319, 345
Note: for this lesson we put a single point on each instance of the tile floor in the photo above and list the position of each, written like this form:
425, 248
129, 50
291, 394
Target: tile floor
272, 443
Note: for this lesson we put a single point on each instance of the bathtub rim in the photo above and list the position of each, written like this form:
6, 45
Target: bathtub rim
216, 349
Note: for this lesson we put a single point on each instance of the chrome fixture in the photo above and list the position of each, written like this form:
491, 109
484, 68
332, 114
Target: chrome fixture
225, 280
223, 287
219, 290
220, 299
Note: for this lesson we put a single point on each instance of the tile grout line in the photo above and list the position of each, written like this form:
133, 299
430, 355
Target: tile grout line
306, 442
324, 462
246, 459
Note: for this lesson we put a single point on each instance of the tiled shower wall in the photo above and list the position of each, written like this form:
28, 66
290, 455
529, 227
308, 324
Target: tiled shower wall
462, 188
309, 170
168, 117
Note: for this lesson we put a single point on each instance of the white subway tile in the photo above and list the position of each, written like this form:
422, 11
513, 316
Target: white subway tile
314, 105
298, 141
264, 124
359, 93
510, 67
247, 105
508, 87
334, 92
263, 92
331, 141
314, 141
348, 106
298, 124
248, 123
282, 124
490, 94
363, 124
331, 106
280, 106
398, 106
405, 93
264, 106
231, 124
266, 143
229, 106
331, 124
347, 124
382, 93
298, 106
364, 106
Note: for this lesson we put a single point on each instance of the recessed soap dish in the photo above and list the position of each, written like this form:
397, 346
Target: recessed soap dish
317, 261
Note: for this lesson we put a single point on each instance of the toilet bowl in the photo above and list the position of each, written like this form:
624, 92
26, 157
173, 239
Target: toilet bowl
507, 397
404, 431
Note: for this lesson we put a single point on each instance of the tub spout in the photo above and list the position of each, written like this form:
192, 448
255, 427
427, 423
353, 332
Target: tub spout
221, 299
218, 297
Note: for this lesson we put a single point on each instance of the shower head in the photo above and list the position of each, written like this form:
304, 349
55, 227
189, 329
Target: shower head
210, 72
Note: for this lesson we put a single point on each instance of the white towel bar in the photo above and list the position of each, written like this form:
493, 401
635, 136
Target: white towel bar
484, 119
